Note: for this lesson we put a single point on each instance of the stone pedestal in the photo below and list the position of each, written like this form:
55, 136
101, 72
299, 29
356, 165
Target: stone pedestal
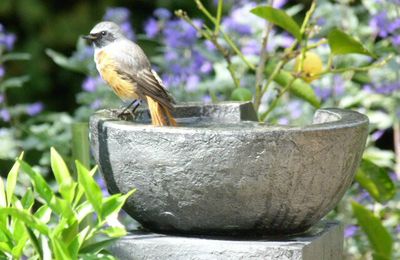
322, 242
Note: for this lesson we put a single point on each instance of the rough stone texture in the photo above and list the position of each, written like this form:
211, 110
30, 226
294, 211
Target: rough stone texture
323, 242
219, 174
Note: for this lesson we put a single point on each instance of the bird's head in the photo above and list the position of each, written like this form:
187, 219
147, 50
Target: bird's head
104, 33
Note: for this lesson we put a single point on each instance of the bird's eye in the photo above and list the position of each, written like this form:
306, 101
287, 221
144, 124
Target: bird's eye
103, 33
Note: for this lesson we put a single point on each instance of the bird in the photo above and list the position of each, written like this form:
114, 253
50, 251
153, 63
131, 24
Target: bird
124, 66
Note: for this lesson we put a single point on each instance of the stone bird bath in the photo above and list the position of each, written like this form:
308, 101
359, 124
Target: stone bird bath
221, 172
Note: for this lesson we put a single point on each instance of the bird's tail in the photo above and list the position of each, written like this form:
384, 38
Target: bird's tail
160, 115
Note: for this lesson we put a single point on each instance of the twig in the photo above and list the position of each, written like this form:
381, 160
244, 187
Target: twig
261, 64
219, 14
396, 137
275, 102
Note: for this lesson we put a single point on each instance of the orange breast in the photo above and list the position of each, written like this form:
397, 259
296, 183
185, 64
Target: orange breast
124, 89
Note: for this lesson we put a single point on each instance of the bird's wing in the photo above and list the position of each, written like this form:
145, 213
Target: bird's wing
133, 65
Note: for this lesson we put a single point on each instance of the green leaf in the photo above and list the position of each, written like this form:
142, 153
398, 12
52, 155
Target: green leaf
15, 82
241, 94
3, 202
59, 206
80, 143
376, 181
378, 236
12, 179
27, 218
28, 199
41, 186
279, 18
35, 242
299, 87
59, 249
114, 232
43, 214
90, 187
14, 56
62, 175
65, 62
80, 190
342, 43
96, 247
114, 203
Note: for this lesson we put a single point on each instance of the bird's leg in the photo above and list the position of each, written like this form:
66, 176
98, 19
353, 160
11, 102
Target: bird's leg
126, 108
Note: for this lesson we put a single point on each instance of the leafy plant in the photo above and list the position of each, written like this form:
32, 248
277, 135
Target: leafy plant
76, 222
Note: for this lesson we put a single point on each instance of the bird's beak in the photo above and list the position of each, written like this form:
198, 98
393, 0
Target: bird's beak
90, 37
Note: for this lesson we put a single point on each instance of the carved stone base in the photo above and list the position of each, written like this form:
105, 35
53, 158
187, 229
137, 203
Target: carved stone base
323, 241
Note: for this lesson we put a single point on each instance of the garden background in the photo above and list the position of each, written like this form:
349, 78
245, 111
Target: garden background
50, 82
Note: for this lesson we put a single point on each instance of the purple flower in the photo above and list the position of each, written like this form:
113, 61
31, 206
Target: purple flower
363, 196
279, 3
234, 26
377, 135
383, 25
162, 13
1, 98
283, 121
85, 53
294, 108
151, 28
5, 115
117, 14
90, 83
209, 45
338, 85
351, 230
206, 67
323, 93
2, 71
96, 104
178, 33
387, 88
8, 40
207, 99
192, 83
126, 28
102, 184
34, 108
396, 40
251, 47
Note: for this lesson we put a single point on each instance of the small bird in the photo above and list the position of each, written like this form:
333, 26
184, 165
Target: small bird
126, 69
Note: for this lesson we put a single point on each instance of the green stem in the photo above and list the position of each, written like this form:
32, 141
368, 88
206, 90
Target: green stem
277, 98
236, 50
261, 64
207, 33
204, 10
364, 68
226, 37
219, 14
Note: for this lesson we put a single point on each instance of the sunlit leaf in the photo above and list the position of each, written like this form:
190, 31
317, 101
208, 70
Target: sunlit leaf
12, 179
376, 181
114, 203
279, 18
299, 87
241, 94
27, 218
14, 56
378, 236
59, 249
62, 175
15, 82
95, 247
80, 143
342, 43
91, 188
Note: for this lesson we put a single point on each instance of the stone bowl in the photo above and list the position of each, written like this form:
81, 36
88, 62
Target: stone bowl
221, 172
